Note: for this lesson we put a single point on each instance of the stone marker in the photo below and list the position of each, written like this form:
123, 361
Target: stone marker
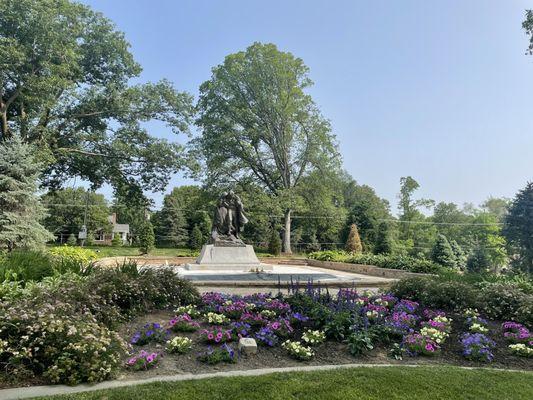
247, 346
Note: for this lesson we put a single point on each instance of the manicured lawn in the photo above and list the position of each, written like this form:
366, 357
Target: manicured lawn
358, 383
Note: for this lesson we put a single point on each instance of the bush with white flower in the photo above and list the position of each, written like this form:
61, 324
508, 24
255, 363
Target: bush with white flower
434, 334
521, 349
313, 338
190, 309
298, 350
179, 345
214, 318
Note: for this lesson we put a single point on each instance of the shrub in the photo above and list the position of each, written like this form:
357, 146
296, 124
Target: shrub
360, 342
297, 350
179, 345
74, 259
151, 332
402, 262
72, 241
216, 335
183, 323
450, 295
196, 240
53, 340
274, 243
504, 301
143, 361
477, 347
146, 237
416, 344
25, 265
313, 337
353, 243
214, 356
117, 241
521, 350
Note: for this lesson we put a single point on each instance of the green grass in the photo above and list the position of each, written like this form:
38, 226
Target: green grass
389, 383
110, 251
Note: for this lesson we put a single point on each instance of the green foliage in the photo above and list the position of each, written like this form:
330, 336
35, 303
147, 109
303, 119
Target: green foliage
360, 342
385, 261
59, 328
519, 221
442, 253
72, 241
73, 259
478, 261
241, 139
90, 239
146, 237
274, 244
353, 244
67, 207
25, 265
503, 301
63, 346
117, 240
499, 300
171, 223
384, 243
197, 238
20, 209
65, 73
365, 209
460, 256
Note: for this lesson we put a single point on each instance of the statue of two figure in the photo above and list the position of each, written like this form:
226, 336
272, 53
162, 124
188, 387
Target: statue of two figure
228, 221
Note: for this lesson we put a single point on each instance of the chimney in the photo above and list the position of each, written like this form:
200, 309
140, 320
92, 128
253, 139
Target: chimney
114, 218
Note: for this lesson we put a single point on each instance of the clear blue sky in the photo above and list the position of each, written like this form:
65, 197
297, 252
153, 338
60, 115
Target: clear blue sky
439, 90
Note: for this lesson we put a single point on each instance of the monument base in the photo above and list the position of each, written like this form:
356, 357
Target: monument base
240, 258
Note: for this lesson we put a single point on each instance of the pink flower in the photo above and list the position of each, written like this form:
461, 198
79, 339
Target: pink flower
132, 361
429, 347
210, 336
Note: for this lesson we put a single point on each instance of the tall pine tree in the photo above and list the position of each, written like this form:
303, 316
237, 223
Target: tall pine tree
21, 211
383, 243
442, 252
518, 228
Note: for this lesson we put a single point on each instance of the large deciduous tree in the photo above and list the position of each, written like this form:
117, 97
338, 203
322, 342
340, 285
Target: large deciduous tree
258, 121
64, 86
69, 209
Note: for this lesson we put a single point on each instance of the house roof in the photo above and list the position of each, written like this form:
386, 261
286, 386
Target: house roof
120, 228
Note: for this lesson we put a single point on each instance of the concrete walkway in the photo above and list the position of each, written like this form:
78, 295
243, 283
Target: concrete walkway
37, 391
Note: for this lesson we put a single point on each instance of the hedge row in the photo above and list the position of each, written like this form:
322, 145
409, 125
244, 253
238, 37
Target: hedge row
402, 262
503, 301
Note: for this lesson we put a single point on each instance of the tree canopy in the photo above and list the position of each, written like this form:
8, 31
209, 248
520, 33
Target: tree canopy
258, 122
65, 76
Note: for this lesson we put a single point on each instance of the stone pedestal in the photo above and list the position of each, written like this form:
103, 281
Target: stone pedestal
240, 258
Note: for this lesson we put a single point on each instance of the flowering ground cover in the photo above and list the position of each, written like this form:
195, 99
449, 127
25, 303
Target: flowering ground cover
313, 328
399, 383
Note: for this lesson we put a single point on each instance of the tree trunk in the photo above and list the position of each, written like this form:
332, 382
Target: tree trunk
3, 125
287, 233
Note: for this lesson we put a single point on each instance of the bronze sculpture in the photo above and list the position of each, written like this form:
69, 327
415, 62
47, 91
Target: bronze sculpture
228, 221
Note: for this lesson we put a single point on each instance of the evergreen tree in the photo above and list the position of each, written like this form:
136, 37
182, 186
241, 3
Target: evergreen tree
478, 260
442, 252
312, 242
90, 239
196, 239
518, 228
20, 208
72, 241
146, 237
383, 243
460, 256
116, 241
171, 226
353, 244
274, 244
